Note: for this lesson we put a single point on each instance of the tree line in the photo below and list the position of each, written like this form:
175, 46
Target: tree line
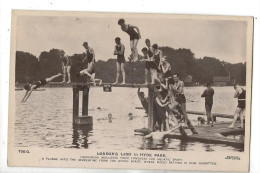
29, 68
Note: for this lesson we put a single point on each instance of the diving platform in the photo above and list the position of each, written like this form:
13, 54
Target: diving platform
71, 84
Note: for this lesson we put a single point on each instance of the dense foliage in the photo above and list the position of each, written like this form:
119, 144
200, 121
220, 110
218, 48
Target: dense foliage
30, 68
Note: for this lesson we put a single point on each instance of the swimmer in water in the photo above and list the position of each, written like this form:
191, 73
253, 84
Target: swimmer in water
131, 116
109, 118
157, 135
30, 87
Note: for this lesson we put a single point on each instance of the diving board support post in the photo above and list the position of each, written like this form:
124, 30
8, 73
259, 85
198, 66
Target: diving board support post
150, 108
75, 102
84, 119
85, 101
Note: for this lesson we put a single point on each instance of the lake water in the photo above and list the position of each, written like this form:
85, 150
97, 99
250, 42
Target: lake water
45, 120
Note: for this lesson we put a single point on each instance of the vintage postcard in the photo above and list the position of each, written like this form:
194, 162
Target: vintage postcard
130, 91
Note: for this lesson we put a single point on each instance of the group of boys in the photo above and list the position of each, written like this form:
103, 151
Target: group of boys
169, 90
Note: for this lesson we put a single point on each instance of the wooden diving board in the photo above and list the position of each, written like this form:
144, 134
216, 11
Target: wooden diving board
38, 89
71, 84
126, 85
60, 84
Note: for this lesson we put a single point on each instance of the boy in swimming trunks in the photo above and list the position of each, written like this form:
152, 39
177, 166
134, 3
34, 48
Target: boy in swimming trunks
161, 108
120, 61
147, 60
66, 66
240, 94
155, 63
165, 68
90, 71
143, 99
176, 86
144, 102
150, 53
169, 104
30, 87
134, 37
208, 94
165, 72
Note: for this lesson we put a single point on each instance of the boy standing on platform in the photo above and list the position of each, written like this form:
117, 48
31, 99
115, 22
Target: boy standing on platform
208, 94
66, 66
240, 94
150, 53
120, 61
90, 72
147, 60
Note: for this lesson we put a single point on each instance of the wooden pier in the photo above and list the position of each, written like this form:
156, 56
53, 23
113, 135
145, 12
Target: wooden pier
19, 86
59, 84
216, 134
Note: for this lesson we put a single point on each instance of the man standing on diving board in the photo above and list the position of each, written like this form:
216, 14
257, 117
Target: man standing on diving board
90, 71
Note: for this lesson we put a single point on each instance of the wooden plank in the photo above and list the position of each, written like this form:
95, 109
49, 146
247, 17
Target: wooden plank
127, 85
215, 134
212, 139
214, 114
202, 113
38, 89
60, 84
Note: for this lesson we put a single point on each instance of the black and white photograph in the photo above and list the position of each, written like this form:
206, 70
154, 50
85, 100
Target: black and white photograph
126, 82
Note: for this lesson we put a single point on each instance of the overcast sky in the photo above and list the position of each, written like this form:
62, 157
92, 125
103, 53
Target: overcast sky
225, 40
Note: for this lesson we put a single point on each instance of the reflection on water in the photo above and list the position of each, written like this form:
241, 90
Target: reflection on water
183, 145
45, 120
80, 137
154, 145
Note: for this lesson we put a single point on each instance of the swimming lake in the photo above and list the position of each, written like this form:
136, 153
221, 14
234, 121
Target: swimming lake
45, 120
